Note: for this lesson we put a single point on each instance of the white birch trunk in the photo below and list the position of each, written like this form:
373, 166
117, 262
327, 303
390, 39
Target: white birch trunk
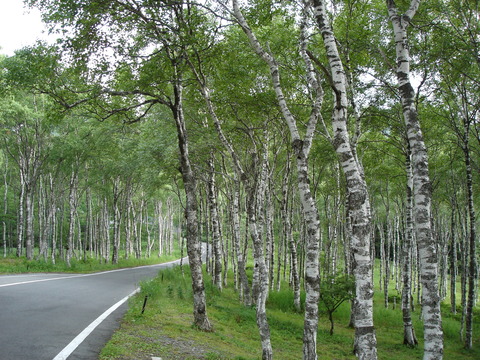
169, 226
149, 227
287, 233
90, 225
464, 273
53, 206
72, 202
243, 278
396, 252
270, 240
80, 247
239, 176
136, 226
48, 232
359, 209
409, 337
256, 196
134, 230
29, 215
193, 243
159, 218
116, 220
453, 261
140, 227
106, 230
382, 261
5, 206
21, 217
302, 149
41, 221
472, 239
387, 261
433, 333
215, 226
128, 229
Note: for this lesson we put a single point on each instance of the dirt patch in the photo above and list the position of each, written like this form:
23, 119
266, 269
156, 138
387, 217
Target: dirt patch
168, 348
180, 349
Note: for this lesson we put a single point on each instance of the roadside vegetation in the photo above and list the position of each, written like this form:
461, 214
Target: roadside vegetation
18, 265
163, 328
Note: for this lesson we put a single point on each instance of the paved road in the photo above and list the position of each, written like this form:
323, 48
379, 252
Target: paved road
41, 314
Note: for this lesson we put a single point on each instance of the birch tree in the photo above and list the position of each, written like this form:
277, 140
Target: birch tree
358, 203
73, 204
260, 291
462, 109
301, 148
433, 333
24, 136
458, 70
409, 337
215, 223
240, 177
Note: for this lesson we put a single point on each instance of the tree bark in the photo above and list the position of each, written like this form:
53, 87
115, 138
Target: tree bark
239, 177
191, 206
116, 220
287, 231
472, 254
53, 206
409, 337
301, 148
160, 227
256, 196
388, 247
128, 221
105, 231
433, 333
269, 233
359, 208
5, 207
453, 260
241, 257
42, 221
21, 217
215, 225
72, 202
29, 211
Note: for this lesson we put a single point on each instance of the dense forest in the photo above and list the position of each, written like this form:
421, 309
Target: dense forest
313, 139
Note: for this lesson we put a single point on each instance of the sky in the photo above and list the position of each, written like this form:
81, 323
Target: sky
19, 26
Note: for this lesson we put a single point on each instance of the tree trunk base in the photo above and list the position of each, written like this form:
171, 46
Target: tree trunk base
409, 338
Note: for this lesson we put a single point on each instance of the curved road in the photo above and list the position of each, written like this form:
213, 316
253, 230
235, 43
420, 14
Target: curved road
51, 316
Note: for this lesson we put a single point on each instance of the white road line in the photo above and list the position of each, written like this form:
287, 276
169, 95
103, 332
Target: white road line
65, 353
41, 280
85, 275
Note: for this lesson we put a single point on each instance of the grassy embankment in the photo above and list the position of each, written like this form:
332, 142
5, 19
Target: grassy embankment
165, 328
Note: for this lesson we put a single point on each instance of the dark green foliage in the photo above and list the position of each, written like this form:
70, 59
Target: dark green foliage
334, 290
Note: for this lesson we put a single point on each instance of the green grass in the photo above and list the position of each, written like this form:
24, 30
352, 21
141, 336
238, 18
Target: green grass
17, 265
165, 328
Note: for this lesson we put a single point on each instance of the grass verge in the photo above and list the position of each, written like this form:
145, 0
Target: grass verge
20, 265
165, 330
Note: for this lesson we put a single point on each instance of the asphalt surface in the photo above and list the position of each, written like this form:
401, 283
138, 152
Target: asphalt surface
40, 314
